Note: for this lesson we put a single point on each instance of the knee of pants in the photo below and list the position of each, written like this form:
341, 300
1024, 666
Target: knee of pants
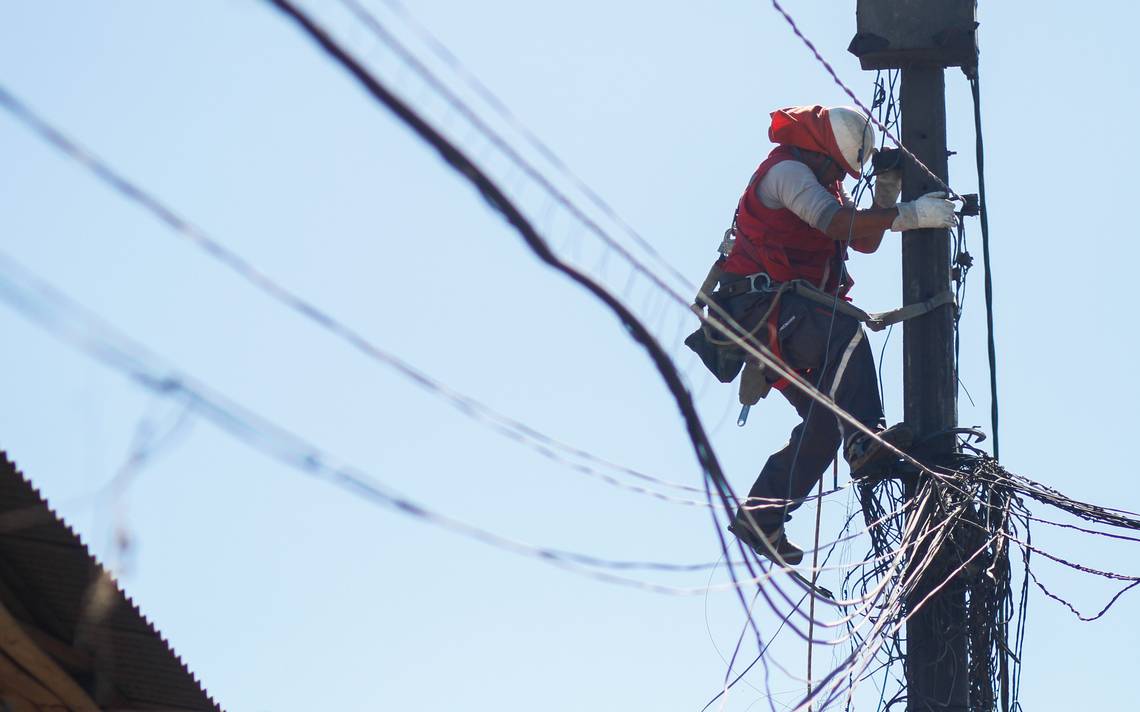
823, 430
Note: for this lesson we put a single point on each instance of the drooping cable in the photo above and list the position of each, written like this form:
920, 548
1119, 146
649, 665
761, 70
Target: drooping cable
993, 379
441, 51
847, 90
72, 323
455, 157
579, 459
987, 271
248, 271
815, 576
714, 475
758, 351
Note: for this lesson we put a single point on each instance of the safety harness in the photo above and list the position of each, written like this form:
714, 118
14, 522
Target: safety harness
875, 321
754, 381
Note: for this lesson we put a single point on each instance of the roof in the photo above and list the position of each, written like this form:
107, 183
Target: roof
77, 641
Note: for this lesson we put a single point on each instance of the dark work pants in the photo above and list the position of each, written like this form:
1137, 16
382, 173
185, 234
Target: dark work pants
838, 360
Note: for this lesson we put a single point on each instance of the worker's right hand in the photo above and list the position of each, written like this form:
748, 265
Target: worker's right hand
931, 210
888, 185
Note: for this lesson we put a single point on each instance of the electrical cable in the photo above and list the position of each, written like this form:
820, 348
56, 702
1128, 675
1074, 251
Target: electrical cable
815, 577
714, 476
831, 71
456, 158
987, 271
835, 77
259, 279
757, 351
495, 197
761, 353
441, 51
71, 323
1107, 516
389, 40
371, 23
507, 426
783, 621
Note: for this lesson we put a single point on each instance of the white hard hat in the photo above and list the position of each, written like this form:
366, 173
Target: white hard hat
854, 136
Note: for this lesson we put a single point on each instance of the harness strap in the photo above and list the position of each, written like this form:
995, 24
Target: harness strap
707, 287
807, 290
876, 321
774, 344
754, 383
882, 320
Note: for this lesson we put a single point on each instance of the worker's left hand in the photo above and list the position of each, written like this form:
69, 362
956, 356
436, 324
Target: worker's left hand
932, 210
888, 185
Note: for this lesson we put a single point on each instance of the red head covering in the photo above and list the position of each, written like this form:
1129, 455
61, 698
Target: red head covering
809, 128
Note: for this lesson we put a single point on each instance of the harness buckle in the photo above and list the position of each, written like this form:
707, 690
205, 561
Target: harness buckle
765, 287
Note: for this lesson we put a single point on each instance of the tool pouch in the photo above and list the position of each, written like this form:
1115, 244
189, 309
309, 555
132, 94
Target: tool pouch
723, 361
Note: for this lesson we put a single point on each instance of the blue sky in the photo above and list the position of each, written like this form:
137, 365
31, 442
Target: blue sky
285, 593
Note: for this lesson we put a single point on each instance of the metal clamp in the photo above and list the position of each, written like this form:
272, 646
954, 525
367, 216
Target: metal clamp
752, 283
759, 282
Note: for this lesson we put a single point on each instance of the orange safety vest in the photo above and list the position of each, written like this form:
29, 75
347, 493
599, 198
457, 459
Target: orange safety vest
778, 242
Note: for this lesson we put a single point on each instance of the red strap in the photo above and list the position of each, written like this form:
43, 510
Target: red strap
774, 343
774, 346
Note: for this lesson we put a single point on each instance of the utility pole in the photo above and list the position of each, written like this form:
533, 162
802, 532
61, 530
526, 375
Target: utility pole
922, 38
936, 664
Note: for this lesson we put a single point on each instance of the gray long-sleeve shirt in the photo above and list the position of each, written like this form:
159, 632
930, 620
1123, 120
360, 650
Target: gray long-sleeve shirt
792, 185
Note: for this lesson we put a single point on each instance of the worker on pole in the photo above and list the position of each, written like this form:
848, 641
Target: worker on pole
793, 227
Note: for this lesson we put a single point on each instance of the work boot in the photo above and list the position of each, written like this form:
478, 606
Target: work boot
867, 456
777, 548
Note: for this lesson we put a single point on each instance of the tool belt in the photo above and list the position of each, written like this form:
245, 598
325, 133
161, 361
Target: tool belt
875, 321
724, 357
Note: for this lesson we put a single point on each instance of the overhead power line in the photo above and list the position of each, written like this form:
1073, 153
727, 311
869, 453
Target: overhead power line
370, 21
63, 318
758, 351
377, 30
980, 503
578, 458
898, 596
217, 250
454, 156
247, 270
991, 348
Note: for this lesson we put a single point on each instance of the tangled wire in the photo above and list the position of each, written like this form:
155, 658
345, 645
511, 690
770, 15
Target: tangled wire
957, 527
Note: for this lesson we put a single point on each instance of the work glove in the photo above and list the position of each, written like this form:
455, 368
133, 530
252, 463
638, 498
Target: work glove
888, 185
931, 210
